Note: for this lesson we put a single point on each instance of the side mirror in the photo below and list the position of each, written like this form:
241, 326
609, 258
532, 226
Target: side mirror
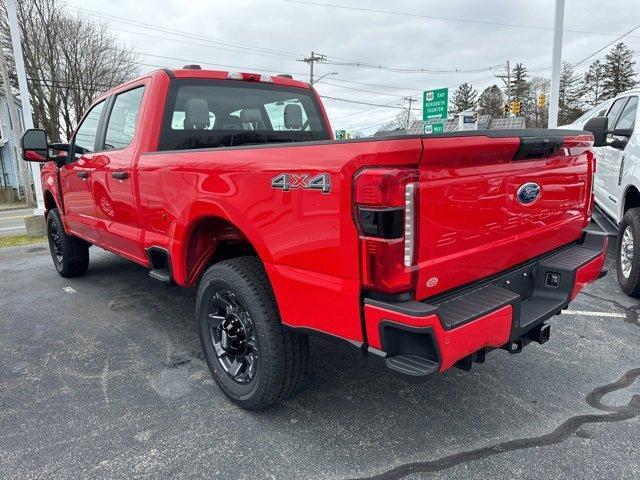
620, 138
621, 132
293, 116
34, 146
598, 126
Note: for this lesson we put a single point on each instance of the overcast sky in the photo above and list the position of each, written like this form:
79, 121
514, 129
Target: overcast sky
268, 35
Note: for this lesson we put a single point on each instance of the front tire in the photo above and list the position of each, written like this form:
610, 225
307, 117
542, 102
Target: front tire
70, 254
254, 359
628, 253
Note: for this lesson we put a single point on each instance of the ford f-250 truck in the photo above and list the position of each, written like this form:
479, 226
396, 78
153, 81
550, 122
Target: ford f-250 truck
424, 251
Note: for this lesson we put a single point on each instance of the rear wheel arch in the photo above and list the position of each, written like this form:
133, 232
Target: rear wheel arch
209, 240
631, 199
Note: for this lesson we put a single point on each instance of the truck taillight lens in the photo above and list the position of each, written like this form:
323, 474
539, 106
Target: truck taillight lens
385, 210
409, 223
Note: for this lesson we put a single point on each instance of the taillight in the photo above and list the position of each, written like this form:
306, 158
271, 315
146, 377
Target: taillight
385, 210
409, 223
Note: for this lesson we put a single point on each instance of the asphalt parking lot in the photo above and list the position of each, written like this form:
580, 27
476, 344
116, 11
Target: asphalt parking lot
101, 376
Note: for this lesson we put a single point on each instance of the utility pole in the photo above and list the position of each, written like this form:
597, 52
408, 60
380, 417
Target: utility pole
410, 100
311, 60
507, 81
556, 64
25, 101
23, 169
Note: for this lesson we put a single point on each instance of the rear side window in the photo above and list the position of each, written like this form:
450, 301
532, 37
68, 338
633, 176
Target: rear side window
203, 113
86, 134
122, 121
627, 118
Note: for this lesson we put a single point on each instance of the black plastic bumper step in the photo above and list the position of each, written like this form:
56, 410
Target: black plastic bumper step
464, 308
412, 365
570, 259
162, 275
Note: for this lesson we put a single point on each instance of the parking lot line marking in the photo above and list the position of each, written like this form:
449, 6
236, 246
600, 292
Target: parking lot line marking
14, 218
594, 314
69, 289
11, 228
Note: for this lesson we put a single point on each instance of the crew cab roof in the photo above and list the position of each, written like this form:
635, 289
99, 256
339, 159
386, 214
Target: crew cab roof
216, 75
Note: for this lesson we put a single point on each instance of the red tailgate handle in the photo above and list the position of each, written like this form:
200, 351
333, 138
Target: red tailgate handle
120, 175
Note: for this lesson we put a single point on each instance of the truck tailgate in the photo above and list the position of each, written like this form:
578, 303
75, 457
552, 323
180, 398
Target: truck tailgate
472, 223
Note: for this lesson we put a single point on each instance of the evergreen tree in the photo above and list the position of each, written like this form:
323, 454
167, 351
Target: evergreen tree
619, 74
465, 98
569, 97
519, 87
592, 83
491, 101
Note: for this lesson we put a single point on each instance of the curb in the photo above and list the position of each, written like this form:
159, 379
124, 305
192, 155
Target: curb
6, 208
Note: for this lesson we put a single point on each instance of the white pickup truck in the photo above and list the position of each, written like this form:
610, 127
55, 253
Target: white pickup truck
617, 181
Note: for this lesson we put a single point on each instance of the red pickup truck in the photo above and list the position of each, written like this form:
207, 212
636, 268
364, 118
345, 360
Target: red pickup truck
424, 251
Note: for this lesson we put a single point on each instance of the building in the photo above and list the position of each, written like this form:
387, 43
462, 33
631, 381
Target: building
9, 172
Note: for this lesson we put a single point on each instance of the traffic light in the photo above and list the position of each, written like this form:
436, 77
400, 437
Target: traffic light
506, 109
515, 107
542, 100
475, 117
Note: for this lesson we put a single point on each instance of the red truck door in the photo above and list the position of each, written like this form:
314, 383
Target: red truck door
113, 185
76, 177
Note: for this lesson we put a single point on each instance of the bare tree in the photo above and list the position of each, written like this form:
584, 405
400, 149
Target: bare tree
69, 61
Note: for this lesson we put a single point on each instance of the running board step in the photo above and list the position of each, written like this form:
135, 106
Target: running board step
162, 275
604, 222
412, 365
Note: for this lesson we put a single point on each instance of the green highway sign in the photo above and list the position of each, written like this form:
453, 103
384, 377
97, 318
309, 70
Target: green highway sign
435, 104
341, 134
430, 128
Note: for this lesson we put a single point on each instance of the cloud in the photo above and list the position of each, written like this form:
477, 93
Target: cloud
287, 31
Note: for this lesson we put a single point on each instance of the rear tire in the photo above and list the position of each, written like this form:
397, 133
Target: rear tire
628, 253
254, 359
70, 254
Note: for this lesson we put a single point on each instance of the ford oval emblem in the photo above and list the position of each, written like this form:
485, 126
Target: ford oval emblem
528, 193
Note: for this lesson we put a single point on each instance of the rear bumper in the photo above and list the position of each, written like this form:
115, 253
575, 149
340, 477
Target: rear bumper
508, 311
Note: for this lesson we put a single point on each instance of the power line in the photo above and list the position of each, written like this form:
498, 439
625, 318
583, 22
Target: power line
394, 87
323, 82
166, 57
290, 55
359, 102
437, 17
606, 46
279, 53
396, 69
216, 47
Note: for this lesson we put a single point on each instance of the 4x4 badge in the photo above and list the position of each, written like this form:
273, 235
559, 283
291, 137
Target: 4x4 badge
287, 181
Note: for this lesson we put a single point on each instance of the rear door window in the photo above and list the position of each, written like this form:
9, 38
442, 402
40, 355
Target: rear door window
122, 121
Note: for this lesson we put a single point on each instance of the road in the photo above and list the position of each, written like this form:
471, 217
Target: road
12, 221
102, 376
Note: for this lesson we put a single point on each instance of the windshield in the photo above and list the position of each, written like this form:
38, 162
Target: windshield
227, 113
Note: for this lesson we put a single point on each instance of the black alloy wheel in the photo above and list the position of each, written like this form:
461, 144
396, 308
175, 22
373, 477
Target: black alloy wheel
232, 336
